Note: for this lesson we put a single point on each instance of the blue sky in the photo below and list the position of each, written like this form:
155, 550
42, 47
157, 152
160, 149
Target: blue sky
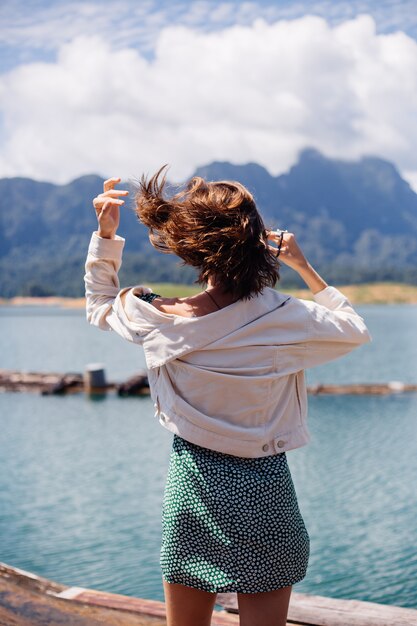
122, 87
33, 30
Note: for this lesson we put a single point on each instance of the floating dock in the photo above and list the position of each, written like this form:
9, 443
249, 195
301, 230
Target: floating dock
30, 600
54, 383
48, 383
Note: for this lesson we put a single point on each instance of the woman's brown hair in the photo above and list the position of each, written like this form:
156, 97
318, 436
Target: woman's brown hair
212, 226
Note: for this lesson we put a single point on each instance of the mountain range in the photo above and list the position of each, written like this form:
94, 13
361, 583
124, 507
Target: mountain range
356, 221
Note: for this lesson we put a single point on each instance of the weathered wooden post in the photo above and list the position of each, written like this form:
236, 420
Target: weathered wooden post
95, 378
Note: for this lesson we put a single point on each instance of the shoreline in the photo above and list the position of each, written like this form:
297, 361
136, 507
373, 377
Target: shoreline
367, 293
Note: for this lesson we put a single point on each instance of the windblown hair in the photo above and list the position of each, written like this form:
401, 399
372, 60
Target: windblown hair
212, 226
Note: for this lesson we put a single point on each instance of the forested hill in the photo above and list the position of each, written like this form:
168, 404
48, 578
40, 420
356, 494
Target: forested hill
356, 220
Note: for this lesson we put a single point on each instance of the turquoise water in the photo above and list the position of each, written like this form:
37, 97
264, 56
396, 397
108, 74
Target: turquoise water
81, 481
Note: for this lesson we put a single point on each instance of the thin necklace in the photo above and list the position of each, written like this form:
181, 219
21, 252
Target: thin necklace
211, 298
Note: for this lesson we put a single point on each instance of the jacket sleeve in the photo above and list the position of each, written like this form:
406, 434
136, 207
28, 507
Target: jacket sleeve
334, 328
104, 304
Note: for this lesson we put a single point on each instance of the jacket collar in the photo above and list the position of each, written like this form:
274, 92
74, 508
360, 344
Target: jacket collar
173, 336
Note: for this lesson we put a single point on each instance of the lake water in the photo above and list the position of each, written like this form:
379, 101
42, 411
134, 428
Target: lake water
81, 480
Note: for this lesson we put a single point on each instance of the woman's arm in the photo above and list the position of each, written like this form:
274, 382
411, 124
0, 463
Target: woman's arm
334, 328
104, 258
105, 302
101, 280
108, 307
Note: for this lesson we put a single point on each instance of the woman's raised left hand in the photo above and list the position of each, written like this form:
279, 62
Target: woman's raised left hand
288, 250
107, 206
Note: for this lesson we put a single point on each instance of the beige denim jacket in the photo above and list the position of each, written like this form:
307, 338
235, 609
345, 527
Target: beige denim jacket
232, 380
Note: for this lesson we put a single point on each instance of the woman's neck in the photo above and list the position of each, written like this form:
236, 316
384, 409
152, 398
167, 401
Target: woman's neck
219, 296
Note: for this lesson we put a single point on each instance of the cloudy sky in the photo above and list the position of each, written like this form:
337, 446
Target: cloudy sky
120, 87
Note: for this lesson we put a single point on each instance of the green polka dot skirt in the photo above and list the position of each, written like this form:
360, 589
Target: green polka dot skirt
231, 524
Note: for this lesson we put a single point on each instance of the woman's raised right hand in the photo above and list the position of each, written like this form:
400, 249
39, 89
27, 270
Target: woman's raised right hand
107, 206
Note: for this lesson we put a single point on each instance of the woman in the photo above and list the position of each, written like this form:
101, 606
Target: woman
226, 377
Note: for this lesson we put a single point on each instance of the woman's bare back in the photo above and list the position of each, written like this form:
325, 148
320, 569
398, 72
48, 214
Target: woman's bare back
194, 306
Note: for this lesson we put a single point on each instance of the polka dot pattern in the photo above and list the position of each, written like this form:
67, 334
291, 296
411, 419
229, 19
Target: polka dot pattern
231, 524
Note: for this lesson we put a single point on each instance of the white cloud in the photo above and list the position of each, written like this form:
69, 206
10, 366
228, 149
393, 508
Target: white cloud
246, 93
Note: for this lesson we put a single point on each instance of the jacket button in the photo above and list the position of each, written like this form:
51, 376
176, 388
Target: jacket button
265, 447
281, 443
